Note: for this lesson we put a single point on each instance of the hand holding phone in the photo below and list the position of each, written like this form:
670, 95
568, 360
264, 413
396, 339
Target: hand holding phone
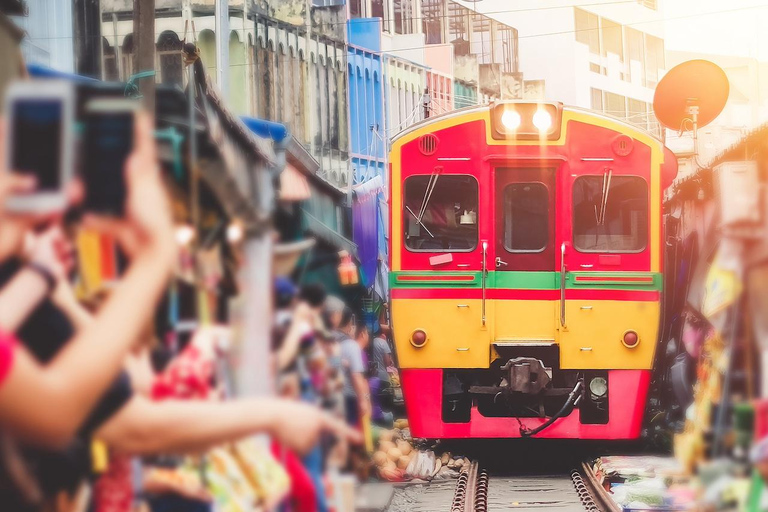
39, 143
147, 222
108, 142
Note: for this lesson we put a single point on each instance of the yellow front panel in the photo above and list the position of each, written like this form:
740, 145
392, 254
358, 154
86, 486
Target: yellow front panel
524, 320
456, 338
594, 330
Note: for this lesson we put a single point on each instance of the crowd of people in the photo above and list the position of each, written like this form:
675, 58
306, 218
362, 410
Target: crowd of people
327, 356
76, 379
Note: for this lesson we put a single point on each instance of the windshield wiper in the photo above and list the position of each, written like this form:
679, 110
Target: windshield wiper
600, 216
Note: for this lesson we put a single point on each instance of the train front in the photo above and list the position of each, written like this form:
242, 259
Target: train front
526, 272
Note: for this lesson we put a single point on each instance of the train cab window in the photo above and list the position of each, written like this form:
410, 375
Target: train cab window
610, 214
440, 213
526, 217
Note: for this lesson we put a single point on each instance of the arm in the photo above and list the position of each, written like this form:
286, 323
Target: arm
290, 347
66, 390
143, 427
20, 297
64, 297
362, 389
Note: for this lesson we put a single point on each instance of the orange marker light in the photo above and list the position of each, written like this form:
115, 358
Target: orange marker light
630, 339
418, 338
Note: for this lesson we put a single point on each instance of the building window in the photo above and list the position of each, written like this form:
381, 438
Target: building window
169, 59
637, 112
433, 15
654, 55
610, 214
356, 8
526, 217
650, 4
441, 213
110, 61
458, 28
635, 50
615, 105
597, 99
588, 30
127, 56
595, 68
612, 41
404, 16
480, 39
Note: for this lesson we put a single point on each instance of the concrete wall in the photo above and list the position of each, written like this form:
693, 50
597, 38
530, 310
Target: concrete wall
439, 57
406, 82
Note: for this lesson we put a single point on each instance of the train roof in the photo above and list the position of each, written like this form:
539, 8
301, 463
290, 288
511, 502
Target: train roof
480, 108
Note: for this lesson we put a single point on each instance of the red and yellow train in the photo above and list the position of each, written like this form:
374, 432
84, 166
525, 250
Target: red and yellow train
526, 271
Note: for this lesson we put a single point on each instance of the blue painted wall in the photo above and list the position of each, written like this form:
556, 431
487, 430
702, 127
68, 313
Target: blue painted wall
365, 33
368, 142
366, 112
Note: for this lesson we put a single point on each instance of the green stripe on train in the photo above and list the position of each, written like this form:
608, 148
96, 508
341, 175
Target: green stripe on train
522, 280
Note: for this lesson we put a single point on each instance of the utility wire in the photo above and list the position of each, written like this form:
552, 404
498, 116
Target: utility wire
529, 36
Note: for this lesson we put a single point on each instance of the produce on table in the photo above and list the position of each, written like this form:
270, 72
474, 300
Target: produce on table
266, 476
396, 458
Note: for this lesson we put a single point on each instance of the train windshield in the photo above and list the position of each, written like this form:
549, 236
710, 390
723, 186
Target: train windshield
441, 213
526, 217
610, 214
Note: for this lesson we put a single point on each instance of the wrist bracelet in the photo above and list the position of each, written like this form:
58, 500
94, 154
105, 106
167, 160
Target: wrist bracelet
47, 275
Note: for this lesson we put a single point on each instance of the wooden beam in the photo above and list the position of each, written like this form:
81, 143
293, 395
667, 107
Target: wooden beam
144, 48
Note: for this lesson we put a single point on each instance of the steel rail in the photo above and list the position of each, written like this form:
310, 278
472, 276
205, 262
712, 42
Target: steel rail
599, 495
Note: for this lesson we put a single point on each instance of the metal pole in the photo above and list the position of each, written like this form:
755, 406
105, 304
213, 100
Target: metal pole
222, 46
144, 57
255, 376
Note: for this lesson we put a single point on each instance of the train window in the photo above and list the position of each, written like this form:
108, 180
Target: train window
526, 217
610, 213
440, 213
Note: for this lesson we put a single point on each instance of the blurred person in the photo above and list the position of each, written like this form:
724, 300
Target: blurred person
357, 400
124, 421
382, 357
68, 387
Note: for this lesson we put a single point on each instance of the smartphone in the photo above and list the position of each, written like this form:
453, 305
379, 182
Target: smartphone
40, 141
107, 144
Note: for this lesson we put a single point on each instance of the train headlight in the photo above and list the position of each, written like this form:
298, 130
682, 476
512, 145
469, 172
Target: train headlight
418, 338
630, 339
542, 120
526, 120
511, 120
598, 387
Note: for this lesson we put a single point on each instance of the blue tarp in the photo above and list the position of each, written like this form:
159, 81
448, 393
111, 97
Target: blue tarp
266, 129
38, 71
365, 227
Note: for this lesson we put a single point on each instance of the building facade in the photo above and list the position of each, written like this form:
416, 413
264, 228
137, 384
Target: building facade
607, 56
286, 64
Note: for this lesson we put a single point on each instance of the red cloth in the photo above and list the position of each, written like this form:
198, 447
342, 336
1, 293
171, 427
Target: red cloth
302, 496
7, 348
113, 491
187, 377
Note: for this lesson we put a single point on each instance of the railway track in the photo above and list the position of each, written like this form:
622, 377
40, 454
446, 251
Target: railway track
475, 491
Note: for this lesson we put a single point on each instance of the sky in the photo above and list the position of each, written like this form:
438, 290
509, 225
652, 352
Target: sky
733, 27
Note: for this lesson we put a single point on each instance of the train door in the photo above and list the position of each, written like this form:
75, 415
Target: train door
609, 298
525, 264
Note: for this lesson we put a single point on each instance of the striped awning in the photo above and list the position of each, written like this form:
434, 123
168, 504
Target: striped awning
294, 186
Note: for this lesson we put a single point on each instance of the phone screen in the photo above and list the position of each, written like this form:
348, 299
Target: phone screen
37, 141
108, 143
